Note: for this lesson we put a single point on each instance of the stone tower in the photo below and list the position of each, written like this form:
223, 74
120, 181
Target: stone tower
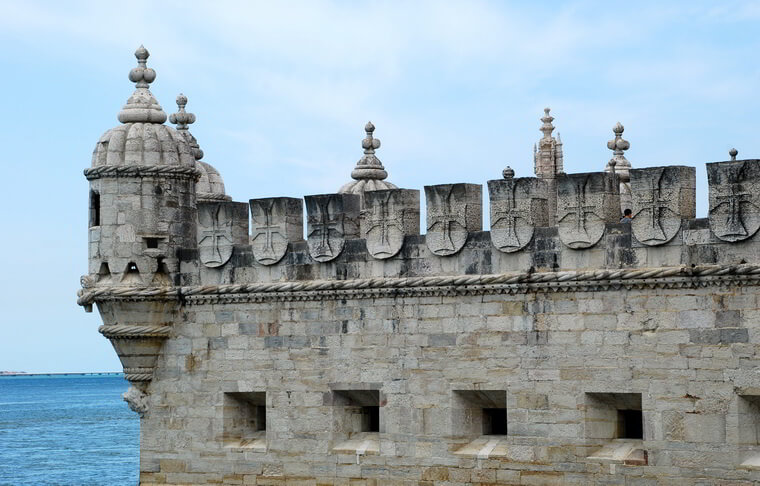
142, 192
548, 159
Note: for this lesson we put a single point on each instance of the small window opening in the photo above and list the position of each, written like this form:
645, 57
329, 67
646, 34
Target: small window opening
94, 209
245, 419
630, 424
478, 412
494, 421
371, 419
132, 268
151, 242
357, 411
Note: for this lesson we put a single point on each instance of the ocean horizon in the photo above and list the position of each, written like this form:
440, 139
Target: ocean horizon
67, 429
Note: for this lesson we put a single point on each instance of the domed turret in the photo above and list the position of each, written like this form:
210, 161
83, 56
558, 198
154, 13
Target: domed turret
142, 192
369, 173
210, 186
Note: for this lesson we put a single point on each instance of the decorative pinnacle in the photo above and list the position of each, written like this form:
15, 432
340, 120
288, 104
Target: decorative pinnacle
733, 153
547, 128
142, 75
508, 173
369, 144
369, 166
142, 107
618, 164
182, 119
619, 144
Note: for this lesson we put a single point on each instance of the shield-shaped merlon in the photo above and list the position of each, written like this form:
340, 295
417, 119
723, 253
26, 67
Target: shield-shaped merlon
516, 207
660, 198
331, 218
734, 199
453, 210
387, 217
215, 242
276, 221
585, 204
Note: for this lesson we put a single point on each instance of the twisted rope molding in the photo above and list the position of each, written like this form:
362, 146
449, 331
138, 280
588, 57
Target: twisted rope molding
212, 197
138, 374
141, 171
552, 281
129, 331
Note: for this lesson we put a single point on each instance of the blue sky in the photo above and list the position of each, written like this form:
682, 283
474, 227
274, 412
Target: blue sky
282, 91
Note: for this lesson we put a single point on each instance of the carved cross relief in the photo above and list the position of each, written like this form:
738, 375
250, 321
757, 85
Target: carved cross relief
443, 218
326, 229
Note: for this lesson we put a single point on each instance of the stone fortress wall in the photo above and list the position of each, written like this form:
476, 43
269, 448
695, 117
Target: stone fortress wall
563, 346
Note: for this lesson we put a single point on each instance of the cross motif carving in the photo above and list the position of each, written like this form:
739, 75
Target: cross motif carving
384, 217
506, 210
580, 210
735, 198
216, 232
655, 205
268, 229
323, 224
445, 216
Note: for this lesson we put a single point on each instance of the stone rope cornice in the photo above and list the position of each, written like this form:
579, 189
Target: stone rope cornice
131, 331
142, 171
517, 282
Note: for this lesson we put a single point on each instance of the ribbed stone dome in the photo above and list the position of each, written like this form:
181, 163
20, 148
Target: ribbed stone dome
142, 139
210, 187
142, 144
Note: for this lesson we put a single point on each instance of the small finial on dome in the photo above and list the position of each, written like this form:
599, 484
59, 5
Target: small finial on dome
733, 153
508, 173
369, 144
369, 173
182, 119
142, 107
142, 75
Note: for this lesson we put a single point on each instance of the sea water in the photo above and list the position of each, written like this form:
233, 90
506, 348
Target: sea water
67, 430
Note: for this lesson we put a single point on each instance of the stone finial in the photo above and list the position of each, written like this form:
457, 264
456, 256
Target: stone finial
369, 173
183, 119
547, 128
142, 107
548, 159
142, 74
618, 163
508, 173
733, 153
369, 166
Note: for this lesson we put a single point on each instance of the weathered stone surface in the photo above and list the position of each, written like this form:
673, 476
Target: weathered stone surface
220, 226
387, 217
370, 371
661, 198
331, 219
734, 199
517, 207
585, 203
276, 221
453, 210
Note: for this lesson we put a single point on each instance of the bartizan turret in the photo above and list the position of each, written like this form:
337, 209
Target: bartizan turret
142, 211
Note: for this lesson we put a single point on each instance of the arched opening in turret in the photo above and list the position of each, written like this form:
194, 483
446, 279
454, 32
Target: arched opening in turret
131, 274
94, 208
104, 274
161, 277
